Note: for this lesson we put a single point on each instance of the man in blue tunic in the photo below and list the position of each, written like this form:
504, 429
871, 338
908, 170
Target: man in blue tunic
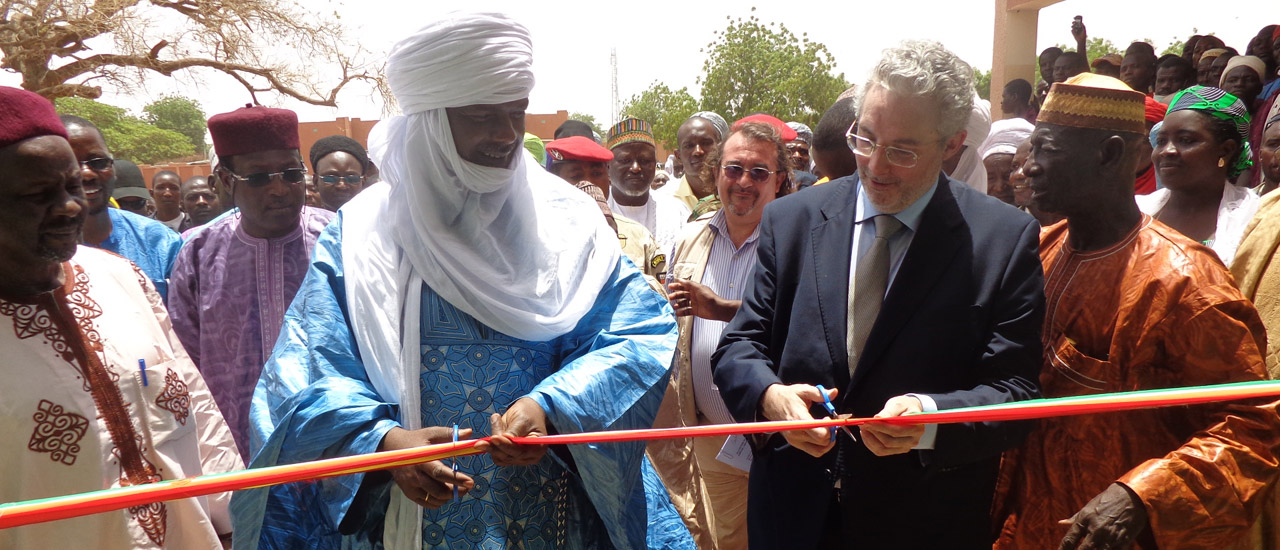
471, 288
147, 243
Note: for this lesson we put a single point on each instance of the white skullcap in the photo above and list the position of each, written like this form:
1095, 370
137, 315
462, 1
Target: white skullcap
462, 59
1005, 136
803, 133
715, 119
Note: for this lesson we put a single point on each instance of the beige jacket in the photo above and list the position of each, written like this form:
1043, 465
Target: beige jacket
674, 458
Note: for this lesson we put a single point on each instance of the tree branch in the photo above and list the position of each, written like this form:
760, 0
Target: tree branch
54, 80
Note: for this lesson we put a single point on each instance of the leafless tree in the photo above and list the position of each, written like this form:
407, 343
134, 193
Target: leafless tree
71, 48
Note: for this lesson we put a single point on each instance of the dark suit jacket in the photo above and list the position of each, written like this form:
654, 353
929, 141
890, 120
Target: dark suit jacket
961, 322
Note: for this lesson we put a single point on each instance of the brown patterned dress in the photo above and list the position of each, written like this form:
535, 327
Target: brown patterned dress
1155, 310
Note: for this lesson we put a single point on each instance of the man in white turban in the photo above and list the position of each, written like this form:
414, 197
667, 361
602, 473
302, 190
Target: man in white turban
472, 289
967, 165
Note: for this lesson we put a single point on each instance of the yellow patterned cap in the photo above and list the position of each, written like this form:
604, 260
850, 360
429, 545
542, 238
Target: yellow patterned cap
1090, 100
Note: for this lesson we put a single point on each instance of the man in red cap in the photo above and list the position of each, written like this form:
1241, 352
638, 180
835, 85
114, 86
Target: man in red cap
235, 277
577, 159
97, 392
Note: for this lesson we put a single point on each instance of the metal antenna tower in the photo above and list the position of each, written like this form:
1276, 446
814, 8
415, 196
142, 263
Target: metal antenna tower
617, 105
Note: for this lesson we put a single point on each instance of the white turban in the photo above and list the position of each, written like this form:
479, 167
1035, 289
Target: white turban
462, 59
513, 247
970, 169
1005, 137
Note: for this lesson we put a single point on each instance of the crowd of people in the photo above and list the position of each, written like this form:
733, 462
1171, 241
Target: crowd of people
459, 278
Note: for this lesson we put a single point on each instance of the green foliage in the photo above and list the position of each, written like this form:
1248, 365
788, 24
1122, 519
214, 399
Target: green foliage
982, 82
179, 114
756, 67
664, 108
590, 120
1095, 47
1175, 47
127, 136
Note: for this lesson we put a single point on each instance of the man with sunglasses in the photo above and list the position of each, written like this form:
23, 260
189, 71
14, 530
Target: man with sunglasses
235, 277
340, 164
902, 290
131, 190
706, 278
145, 242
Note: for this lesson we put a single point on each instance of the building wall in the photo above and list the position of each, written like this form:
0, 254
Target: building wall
544, 126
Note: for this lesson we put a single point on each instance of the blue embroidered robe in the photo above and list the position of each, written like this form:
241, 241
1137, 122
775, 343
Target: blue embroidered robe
314, 400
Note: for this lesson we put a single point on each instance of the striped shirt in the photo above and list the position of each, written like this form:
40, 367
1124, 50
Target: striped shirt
726, 274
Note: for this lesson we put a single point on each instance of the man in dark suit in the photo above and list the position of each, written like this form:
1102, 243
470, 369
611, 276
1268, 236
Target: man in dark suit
946, 293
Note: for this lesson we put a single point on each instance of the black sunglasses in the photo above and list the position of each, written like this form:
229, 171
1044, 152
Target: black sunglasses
350, 179
132, 203
100, 164
758, 175
261, 179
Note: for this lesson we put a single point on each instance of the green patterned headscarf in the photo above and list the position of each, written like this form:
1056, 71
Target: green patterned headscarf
1219, 104
535, 146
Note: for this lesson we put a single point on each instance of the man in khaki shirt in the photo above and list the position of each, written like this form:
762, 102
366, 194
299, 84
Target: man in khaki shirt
710, 265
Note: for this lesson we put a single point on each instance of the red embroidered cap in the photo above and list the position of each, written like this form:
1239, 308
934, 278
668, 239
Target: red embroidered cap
578, 148
24, 115
253, 128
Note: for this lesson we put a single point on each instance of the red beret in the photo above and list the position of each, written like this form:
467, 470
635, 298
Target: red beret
578, 148
1155, 110
24, 115
787, 133
250, 129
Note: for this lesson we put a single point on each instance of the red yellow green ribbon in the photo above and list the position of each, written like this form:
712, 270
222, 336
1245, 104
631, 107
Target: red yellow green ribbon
56, 508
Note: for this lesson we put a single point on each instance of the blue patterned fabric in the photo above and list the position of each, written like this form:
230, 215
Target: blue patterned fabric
468, 372
314, 400
149, 244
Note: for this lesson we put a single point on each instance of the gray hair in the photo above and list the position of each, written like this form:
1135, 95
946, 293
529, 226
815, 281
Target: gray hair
926, 68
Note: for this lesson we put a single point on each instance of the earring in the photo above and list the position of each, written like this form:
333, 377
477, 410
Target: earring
1221, 162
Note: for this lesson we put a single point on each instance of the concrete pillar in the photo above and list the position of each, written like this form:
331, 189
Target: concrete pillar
1013, 53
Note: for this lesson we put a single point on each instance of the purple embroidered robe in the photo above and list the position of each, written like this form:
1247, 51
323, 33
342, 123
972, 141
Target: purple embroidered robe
227, 295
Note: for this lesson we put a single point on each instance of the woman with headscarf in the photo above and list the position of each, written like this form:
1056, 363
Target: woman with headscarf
1200, 148
1269, 154
997, 155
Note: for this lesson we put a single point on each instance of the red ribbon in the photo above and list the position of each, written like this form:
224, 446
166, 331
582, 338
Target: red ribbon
51, 509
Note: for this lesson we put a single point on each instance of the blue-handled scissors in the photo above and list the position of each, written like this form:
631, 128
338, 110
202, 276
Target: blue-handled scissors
455, 465
831, 410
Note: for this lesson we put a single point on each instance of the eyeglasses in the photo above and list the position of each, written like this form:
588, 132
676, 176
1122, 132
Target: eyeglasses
101, 164
864, 147
260, 179
132, 203
758, 175
350, 179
